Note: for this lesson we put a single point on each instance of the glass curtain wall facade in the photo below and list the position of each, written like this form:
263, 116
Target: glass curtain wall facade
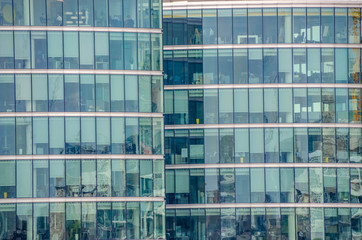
81, 120
263, 133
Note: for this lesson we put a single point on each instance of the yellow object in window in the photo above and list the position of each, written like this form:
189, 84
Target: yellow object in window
7, 13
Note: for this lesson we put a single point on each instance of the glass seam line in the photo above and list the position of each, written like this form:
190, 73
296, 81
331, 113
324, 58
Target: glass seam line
264, 165
80, 71
79, 156
79, 29
81, 199
256, 4
264, 205
258, 46
265, 85
263, 125
80, 114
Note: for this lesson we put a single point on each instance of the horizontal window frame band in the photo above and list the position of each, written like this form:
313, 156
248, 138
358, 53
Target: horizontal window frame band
80, 29
81, 114
256, 4
258, 46
264, 205
81, 157
261, 85
80, 71
263, 165
81, 199
263, 125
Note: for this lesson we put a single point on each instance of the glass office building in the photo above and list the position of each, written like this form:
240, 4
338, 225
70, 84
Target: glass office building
263, 133
262, 116
81, 120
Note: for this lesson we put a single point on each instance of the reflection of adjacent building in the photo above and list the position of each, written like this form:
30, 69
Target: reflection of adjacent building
258, 117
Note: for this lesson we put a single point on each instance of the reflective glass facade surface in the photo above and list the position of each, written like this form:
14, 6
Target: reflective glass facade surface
264, 223
83, 13
80, 50
81, 135
261, 25
80, 93
263, 185
81, 178
263, 119
262, 65
87, 220
262, 105
81, 120
263, 145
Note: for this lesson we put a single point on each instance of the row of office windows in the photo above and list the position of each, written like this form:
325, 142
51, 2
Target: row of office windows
258, 105
98, 13
81, 178
84, 50
263, 145
263, 185
257, 26
80, 93
87, 220
264, 223
80, 135
268, 65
